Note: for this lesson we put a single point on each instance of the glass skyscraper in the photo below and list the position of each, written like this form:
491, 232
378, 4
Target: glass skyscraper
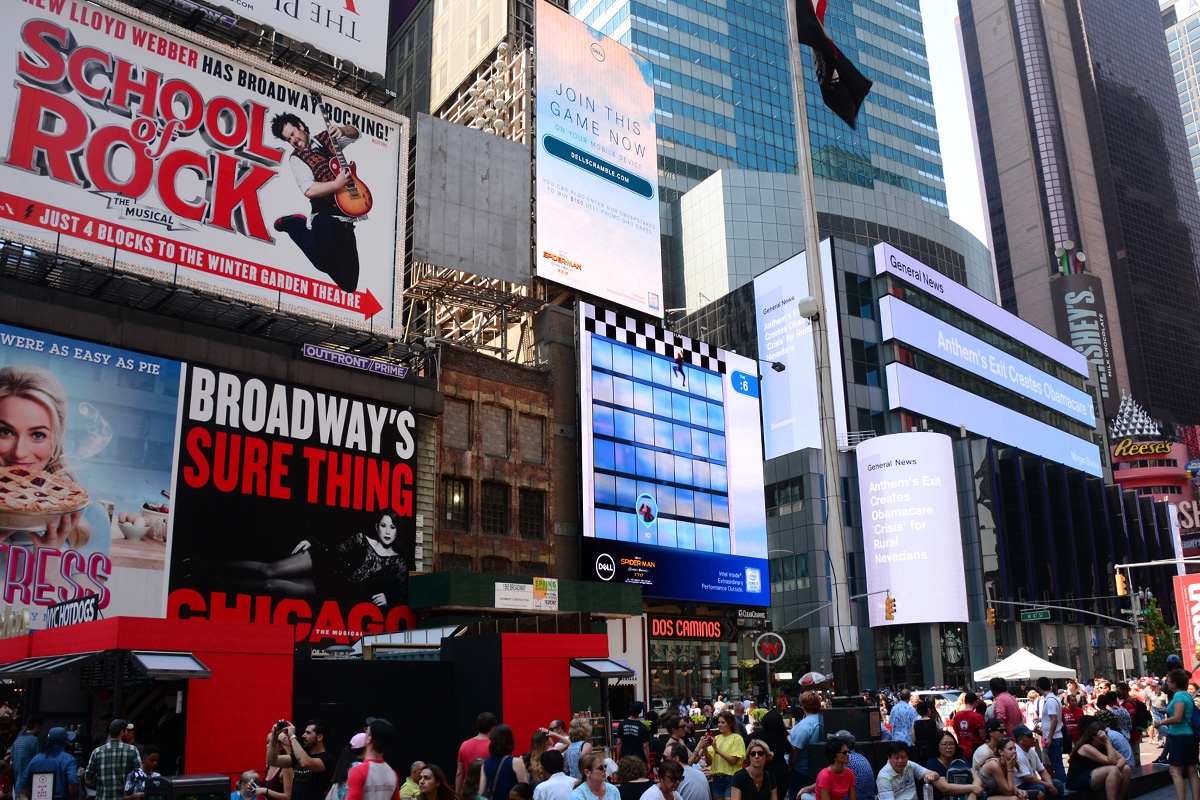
1181, 19
1081, 141
723, 94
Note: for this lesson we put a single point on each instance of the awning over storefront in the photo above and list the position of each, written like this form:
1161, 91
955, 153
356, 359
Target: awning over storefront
154, 665
45, 665
599, 668
169, 666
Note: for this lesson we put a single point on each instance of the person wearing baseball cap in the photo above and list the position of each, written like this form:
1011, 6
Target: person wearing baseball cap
53, 759
993, 729
1031, 774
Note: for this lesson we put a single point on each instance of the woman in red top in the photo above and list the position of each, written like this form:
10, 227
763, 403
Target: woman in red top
1072, 716
836, 782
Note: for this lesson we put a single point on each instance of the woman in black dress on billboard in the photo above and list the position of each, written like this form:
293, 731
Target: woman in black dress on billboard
365, 566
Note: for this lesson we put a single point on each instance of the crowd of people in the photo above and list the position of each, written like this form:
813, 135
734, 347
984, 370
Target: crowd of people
1008, 743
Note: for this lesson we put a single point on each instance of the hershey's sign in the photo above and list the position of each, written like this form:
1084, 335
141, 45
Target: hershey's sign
1081, 317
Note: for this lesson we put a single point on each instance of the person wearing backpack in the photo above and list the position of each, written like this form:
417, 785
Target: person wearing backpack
1139, 717
1051, 721
949, 763
1181, 726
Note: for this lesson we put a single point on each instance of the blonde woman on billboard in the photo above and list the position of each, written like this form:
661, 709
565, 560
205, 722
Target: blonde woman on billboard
33, 425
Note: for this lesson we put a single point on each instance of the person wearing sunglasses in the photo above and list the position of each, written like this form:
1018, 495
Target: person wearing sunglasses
836, 781
754, 782
594, 784
670, 777
677, 734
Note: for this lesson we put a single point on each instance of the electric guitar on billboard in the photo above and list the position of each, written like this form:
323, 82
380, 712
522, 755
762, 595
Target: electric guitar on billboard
354, 199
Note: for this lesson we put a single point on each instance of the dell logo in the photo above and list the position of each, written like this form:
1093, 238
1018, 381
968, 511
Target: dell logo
606, 568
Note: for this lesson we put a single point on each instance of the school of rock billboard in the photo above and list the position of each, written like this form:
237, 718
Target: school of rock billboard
267, 500
186, 163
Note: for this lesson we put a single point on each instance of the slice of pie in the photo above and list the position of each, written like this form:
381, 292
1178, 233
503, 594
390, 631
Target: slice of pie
39, 492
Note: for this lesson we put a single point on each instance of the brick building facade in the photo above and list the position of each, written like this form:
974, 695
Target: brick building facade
495, 499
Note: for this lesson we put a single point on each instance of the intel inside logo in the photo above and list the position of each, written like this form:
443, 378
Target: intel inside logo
753, 580
606, 567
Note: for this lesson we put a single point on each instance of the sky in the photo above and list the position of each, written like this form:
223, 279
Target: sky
954, 124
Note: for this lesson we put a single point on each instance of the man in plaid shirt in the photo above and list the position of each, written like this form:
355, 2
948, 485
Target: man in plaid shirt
111, 762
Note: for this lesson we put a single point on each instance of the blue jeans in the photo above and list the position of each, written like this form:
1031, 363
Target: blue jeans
1037, 791
721, 785
1054, 757
796, 782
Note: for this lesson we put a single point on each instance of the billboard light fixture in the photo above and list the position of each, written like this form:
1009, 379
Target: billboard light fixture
808, 308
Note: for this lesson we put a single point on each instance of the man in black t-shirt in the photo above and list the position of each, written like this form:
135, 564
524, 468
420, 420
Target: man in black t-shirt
306, 754
633, 736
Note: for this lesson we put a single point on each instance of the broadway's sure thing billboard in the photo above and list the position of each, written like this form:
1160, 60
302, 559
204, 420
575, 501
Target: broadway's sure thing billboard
597, 165
104, 420
293, 505
911, 536
672, 463
188, 164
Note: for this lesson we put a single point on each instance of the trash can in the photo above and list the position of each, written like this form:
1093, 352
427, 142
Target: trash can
188, 787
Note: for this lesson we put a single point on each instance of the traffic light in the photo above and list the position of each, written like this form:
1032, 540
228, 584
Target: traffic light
991, 616
1149, 643
1122, 584
889, 607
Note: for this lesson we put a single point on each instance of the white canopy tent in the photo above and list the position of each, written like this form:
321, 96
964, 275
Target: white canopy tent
1023, 665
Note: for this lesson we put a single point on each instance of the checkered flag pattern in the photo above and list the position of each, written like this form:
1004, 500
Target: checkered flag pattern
647, 336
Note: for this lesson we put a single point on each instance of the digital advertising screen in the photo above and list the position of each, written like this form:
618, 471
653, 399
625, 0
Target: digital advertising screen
909, 324
927, 396
912, 541
135, 146
891, 261
790, 400
672, 463
597, 165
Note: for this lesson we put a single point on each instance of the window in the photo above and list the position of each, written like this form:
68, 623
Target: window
494, 565
454, 563
456, 503
495, 430
532, 433
493, 516
456, 424
785, 497
532, 514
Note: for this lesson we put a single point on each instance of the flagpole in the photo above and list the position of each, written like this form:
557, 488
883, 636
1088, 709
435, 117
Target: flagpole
844, 635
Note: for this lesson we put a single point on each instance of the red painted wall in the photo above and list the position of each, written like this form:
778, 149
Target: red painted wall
536, 677
228, 714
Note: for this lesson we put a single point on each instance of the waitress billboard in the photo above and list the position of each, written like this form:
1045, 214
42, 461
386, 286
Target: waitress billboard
87, 444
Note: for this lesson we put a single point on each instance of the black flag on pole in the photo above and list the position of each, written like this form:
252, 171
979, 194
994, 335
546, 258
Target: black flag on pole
843, 87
